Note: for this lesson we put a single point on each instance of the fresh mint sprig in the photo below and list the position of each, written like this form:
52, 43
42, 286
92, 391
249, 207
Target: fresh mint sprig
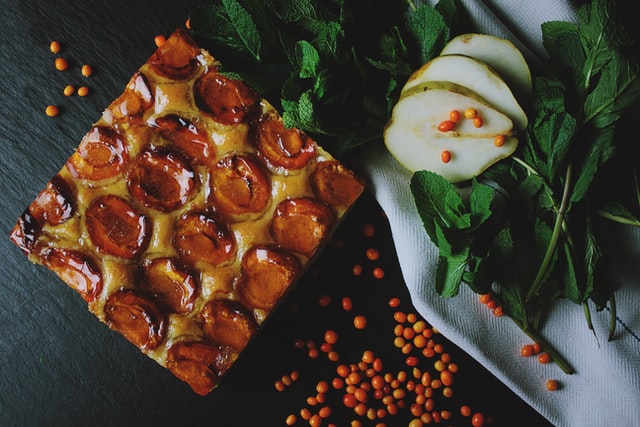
334, 67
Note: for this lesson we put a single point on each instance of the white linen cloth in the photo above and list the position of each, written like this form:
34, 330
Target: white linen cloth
605, 389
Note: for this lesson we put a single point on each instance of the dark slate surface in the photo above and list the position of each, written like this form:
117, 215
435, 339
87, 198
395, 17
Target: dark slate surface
59, 366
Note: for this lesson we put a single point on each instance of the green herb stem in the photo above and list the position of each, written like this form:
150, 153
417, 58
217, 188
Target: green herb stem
557, 228
612, 316
558, 359
617, 218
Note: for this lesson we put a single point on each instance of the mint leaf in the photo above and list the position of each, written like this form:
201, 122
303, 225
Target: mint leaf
244, 26
617, 89
428, 32
438, 203
449, 273
480, 201
600, 151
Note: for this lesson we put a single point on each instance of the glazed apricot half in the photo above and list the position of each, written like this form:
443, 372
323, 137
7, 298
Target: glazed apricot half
199, 364
282, 147
266, 274
177, 58
335, 185
186, 137
174, 288
202, 238
136, 98
76, 269
55, 204
161, 180
226, 100
116, 228
301, 225
136, 317
239, 187
101, 154
228, 323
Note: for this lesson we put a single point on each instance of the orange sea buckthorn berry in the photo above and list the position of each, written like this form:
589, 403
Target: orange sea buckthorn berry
526, 350
347, 304
187, 24
394, 302
315, 420
478, 420
446, 126
470, 113
378, 273
356, 270
446, 377
291, 420
412, 361
55, 47
499, 140
69, 90
360, 322
372, 254
445, 156
86, 70
61, 64
551, 385
498, 311
52, 110
159, 40
465, 411
544, 358
536, 348
485, 298
454, 116
324, 300
331, 336
478, 122
83, 91
368, 230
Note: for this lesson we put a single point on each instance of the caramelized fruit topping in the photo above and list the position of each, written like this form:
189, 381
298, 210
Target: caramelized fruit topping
239, 186
161, 180
201, 238
228, 323
282, 147
101, 154
227, 100
136, 98
199, 364
301, 225
174, 288
136, 317
335, 185
186, 137
266, 275
116, 228
25, 233
76, 269
54, 204
177, 58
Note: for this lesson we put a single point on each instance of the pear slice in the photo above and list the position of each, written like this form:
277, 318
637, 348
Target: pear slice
475, 75
413, 137
498, 53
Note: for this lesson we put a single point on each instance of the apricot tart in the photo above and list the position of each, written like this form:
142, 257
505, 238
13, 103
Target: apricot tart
186, 212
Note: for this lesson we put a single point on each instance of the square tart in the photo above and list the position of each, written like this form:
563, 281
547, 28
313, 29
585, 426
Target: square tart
186, 212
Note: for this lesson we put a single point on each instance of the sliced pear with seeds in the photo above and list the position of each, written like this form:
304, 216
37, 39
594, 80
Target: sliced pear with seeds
498, 53
475, 75
413, 138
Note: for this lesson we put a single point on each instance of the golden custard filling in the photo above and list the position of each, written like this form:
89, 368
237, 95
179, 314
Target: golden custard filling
186, 212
